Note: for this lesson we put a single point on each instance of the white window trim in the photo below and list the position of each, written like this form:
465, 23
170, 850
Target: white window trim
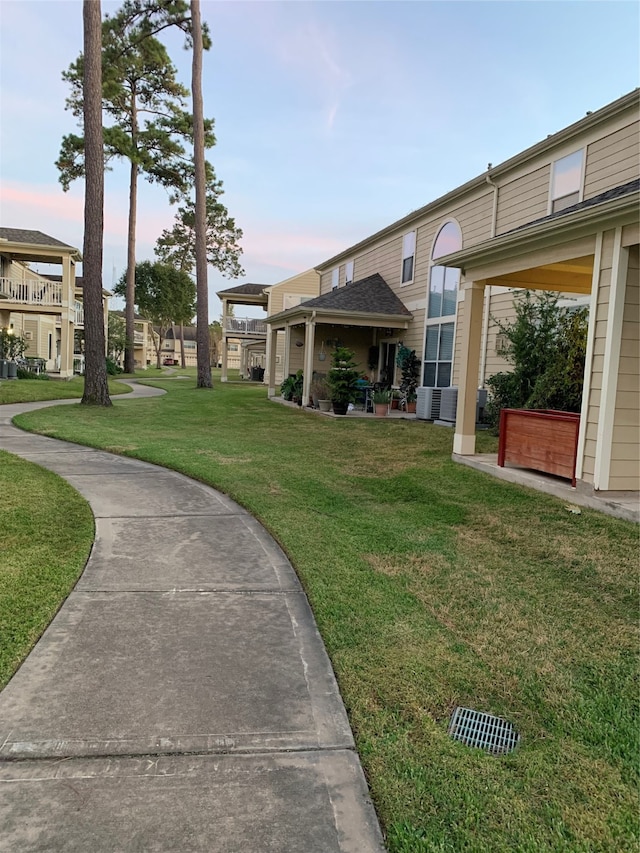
405, 257
335, 278
581, 186
437, 321
348, 280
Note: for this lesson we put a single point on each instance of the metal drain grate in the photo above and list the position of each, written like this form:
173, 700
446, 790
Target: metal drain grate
484, 731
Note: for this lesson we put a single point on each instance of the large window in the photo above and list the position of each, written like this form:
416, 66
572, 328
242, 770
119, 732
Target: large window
566, 181
441, 305
408, 255
438, 355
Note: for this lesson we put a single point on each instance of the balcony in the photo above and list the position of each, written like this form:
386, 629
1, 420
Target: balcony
245, 327
34, 291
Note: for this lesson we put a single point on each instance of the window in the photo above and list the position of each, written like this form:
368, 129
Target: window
566, 181
408, 253
438, 355
348, 273
335, 274
233, 347
442, 302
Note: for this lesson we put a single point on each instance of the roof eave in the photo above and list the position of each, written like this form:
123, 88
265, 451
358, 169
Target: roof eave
42, 249
374, 319
620, 211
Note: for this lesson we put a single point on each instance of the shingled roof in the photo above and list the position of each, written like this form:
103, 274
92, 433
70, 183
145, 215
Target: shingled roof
608, 195
244, 290
371, 295
28, 237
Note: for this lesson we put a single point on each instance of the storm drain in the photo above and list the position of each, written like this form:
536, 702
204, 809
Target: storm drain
483, 731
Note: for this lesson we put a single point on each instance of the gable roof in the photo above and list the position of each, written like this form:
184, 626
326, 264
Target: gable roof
371, 295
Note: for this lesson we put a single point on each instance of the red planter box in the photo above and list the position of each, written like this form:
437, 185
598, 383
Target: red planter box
541, 439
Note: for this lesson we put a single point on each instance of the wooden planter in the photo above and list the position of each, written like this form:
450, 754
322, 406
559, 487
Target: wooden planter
541, 439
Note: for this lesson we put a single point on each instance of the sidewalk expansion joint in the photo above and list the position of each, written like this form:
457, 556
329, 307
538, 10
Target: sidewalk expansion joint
189, 591
56, 759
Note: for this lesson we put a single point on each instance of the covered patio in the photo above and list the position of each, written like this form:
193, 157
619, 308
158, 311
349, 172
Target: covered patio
242, 330
590, 248
365, 316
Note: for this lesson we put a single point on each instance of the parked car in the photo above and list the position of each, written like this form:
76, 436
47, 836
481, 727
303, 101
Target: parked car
169, 361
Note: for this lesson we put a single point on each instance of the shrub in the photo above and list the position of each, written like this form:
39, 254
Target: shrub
343, 376
113, 369
546, 345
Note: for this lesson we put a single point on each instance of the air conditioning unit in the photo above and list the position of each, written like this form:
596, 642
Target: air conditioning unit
428, 403
448, 405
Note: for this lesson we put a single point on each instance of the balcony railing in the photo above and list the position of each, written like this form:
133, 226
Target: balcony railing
78, 308
34, 291
245, 326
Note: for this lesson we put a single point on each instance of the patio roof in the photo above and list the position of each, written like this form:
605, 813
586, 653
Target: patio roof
618, 206
246, 294
26, 244
369, 298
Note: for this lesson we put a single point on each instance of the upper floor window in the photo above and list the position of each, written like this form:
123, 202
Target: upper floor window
408, 254
348, 272
335, 274
566, 181
443, 281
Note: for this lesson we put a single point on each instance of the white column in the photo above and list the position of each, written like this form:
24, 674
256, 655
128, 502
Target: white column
223, 342
464, 440
287, 350
309, 344
272, 348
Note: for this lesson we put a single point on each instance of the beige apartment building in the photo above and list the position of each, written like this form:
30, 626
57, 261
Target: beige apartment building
45, 309
562, 216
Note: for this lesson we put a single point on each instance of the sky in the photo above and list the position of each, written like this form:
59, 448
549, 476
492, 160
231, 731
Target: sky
333, 119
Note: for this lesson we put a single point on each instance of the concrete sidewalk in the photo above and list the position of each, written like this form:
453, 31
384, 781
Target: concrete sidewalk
182, 699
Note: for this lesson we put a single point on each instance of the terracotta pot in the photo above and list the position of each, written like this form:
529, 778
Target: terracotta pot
395, 403
381, 410
411, 407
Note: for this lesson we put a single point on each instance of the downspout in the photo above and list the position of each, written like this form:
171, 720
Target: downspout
487, 290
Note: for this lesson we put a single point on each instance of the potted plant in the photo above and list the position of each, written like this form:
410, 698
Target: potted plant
320, 394
297, 388
12, 347
409, 365
342, 379
286, 389
381, 402
395, 399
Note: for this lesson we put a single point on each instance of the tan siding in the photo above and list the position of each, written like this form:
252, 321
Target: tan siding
523, 200
612, 161
457, 345
385, 259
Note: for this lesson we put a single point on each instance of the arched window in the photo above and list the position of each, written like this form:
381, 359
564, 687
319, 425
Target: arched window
441, 303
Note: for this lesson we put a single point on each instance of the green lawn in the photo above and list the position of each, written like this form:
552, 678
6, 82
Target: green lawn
43, 552
29, 390
433, 586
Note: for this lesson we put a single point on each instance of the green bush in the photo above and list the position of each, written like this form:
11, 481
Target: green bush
546, 345
113, 369
343, 376
27, 373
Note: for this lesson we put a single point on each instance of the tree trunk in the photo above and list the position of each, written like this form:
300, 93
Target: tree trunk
182, 358
96, 389
202, 289
130, 298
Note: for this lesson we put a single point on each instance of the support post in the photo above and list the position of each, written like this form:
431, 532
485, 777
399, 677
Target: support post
287, 350
309, 345
223, 342
464, 440
272, 349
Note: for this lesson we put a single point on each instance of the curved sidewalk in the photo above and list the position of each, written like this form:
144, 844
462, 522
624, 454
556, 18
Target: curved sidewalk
181, 699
